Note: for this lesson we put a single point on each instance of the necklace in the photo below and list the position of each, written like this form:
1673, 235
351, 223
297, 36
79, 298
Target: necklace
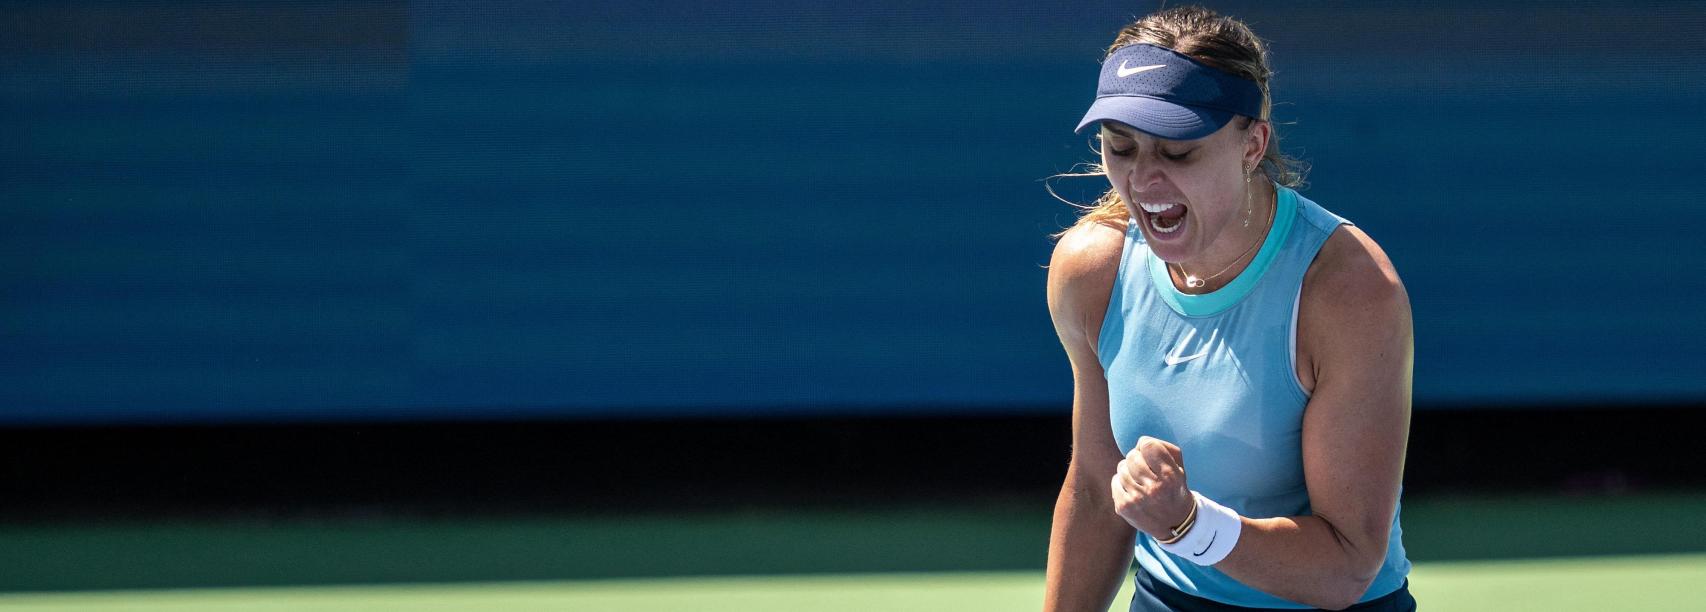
1196, 283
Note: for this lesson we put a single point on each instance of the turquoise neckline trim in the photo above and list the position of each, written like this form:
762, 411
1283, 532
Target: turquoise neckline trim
1217, 301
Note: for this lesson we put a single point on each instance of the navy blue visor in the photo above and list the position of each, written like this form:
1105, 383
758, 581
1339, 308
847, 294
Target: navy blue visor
1169, 95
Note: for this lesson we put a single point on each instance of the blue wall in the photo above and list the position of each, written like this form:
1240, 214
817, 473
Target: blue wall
299, 211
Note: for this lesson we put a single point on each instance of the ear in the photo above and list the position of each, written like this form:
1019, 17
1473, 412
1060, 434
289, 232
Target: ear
1256, 142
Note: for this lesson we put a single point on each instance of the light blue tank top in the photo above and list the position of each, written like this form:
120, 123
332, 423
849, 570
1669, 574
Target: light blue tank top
1215, 374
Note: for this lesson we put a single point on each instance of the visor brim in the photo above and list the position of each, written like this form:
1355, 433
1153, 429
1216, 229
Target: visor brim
1158, 118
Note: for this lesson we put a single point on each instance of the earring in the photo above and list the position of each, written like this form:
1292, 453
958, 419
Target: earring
1249, 207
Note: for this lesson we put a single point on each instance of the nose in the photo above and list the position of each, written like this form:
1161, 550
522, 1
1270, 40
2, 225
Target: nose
1144, 177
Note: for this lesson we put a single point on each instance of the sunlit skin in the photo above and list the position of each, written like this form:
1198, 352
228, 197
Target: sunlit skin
1206, 175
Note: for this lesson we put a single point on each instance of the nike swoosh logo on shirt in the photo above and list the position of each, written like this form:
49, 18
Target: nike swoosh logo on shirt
1125, 72
1176, 356
1174, 360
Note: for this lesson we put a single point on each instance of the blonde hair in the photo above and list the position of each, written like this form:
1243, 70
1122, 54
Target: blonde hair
1222, 42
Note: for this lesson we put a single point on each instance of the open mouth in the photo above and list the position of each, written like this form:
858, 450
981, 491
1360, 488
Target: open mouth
1164, 218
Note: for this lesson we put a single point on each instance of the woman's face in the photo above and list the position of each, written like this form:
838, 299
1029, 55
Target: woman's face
1184, 193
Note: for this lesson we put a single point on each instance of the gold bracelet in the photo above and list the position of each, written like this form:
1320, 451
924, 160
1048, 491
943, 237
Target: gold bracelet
1185, 527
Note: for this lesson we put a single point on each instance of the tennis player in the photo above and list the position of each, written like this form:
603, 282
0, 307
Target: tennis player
1241, 356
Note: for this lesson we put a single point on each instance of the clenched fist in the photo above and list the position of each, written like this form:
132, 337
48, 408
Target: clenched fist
1149, 488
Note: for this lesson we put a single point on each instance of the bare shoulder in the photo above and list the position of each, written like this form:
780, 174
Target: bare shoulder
1353, 308
1353, 274
1081, 277
1087, 250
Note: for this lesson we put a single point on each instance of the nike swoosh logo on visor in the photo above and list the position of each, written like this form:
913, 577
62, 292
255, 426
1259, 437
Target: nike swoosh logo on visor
1125, 72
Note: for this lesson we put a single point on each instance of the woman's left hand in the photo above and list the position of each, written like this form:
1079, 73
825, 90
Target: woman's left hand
1149, 488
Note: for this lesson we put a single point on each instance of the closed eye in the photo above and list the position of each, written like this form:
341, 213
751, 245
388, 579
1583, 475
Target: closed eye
1169, 157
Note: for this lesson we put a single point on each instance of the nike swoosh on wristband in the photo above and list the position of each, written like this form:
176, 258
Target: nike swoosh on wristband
1207, 546
1125, 72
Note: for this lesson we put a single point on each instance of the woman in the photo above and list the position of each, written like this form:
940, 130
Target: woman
1241, 356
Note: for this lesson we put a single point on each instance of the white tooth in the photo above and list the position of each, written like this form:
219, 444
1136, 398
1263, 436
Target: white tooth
1156, 208
1154, 224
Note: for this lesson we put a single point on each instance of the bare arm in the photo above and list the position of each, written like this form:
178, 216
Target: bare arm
1355, 328
1090, 547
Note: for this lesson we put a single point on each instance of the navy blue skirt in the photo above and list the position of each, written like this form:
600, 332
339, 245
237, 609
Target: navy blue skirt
1153, 596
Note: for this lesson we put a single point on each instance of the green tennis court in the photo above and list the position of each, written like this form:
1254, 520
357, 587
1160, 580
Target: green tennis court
1664, 582
1472, 553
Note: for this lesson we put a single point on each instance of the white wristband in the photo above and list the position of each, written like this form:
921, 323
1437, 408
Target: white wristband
1212, 537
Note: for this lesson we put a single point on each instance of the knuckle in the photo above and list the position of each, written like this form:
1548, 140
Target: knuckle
1156, 453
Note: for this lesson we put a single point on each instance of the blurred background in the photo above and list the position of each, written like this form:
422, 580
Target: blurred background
595, 304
